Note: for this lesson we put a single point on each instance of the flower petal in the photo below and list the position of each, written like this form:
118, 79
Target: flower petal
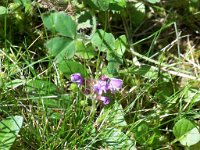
100, 87
76, 77
105, 100
115, 84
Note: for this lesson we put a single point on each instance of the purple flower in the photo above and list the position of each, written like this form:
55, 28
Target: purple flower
76, 77
105, 84
104, 99
114, 84
100, 87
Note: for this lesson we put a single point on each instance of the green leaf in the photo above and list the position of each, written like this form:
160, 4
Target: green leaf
61, 48
114, 115
69, 67
9, 129
153, 1
3, 10
104, 5
61, 23
41, 87
84, 20
103, 40
137, 12
141, 132
186, 132
115, 139
85, 51
25, 3
192, 95
146, 71
117, 5
191, 138
120, 45
113, 67
115, 55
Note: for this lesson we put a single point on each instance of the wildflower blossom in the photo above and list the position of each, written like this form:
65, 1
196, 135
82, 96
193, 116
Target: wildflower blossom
76, 77
104, 99
115, 84
105, 84
98, 87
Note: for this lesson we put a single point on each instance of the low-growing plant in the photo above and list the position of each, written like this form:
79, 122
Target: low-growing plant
99, 74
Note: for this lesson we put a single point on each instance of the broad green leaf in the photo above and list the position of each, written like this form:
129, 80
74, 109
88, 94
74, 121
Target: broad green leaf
113, 67
190, 138
120, 45
114, 57
103, 40
104, 5
186, 132
3, 10
114, 115
141, 132
61, 23
153, 1
85, 51
114, 61
182, 127
192, 95
61, 48
9, 129
115, 139
69, 67
137, 13
148, 72
117, 5
41, 87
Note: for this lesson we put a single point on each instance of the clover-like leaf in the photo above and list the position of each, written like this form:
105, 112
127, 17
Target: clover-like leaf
61, 48
61, 23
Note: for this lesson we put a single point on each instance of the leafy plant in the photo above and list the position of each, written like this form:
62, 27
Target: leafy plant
10, 128
186, 132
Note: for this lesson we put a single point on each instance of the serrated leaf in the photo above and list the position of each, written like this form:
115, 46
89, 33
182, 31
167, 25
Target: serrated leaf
61, 48
9, 129
69, 67
103, 40
61, 23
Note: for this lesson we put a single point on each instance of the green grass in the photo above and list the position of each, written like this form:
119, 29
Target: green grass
160, 71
